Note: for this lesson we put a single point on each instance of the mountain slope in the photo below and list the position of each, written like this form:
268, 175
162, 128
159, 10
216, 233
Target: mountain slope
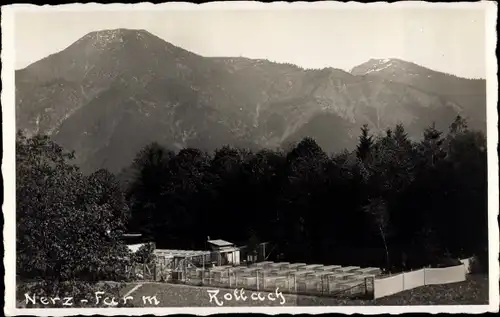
469, 94
113, 91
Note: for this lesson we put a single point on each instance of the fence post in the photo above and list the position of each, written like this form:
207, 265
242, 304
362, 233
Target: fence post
162, 275
366, 286
295, 283
328, 284
372, 280
154, 271
229, 277
322, 284
263, 280
184, 271
288, 282
257, 279
404, 275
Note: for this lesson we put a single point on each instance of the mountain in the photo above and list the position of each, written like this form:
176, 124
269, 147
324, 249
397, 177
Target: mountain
113, 91
469, 94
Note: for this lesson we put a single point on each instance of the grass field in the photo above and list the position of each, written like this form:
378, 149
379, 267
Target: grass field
474, 291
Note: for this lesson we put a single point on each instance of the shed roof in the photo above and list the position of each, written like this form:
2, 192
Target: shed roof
220, 243
128, 235
180, 253
229, 250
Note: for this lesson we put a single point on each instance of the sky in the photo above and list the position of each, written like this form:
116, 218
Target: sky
448, 40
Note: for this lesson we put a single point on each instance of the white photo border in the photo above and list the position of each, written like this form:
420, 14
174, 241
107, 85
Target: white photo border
8, 163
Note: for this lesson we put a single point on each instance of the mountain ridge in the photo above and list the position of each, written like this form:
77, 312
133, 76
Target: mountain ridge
463, 91
95, 94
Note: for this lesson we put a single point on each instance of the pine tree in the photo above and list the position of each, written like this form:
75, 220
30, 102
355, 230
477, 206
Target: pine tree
365, 145
431, 145
458, 126
388, 133
401, 137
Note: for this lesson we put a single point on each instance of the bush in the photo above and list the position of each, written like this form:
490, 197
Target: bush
447, 262
145, 254
476, 265
68, 225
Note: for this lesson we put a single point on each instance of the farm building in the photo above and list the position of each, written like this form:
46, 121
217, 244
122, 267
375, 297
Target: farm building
219, 252
226, 252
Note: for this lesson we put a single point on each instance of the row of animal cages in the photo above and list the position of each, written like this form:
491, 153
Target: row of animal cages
315, 279
318, 283
277, 268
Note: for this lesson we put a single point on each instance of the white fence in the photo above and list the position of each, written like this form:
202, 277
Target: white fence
468, 263
388, 286
414, 279
406, 281
445, 275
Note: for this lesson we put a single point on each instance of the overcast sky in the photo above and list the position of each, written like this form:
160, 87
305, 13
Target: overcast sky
448, 40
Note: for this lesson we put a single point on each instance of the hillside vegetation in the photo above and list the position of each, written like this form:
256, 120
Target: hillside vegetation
113, 91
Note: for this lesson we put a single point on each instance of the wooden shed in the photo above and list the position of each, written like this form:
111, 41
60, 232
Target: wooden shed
226, 253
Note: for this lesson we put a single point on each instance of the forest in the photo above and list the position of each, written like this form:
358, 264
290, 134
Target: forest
392, 202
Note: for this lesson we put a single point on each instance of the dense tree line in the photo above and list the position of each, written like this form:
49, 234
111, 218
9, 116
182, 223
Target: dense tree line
392, 202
